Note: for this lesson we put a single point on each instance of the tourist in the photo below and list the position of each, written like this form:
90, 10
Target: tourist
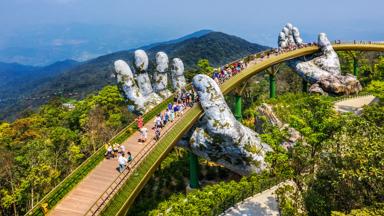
166, 116
129, 157
171, 115
181, 108
109, 152
170, 105
122, 163
139, 121
158, 121
157, 134
116, 147
144, 132
122, 149
176, 110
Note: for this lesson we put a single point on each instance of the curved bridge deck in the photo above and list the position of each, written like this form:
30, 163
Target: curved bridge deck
84, 198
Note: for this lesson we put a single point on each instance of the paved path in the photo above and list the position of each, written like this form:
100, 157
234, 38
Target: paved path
354, 104
261, 204
82, 197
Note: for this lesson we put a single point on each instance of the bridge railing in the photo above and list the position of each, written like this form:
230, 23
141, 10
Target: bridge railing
119, 180
117, 204
60, 190
357, 42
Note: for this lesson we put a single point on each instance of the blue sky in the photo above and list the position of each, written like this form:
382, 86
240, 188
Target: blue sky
256, 21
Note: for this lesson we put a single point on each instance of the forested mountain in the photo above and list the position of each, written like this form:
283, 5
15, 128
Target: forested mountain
90, 76
16, 78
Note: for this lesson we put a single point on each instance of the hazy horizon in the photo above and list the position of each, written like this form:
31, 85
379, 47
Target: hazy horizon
43, 31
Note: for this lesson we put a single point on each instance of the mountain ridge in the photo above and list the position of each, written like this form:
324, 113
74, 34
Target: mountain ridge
90, 76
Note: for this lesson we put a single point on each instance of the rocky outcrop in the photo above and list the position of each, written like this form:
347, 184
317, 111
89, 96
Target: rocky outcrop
323, 69
220, 138
267, 112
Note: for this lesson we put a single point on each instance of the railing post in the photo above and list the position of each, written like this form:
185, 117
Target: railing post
305, 86
238, 104
355, 67
193, 171
272, 85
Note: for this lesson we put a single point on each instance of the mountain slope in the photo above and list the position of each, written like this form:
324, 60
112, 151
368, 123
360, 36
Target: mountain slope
17, 78
186, 37
90, 76
218, 48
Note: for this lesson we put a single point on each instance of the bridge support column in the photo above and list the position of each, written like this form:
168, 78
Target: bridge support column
272, 85
238, 104
193, 170
305, 86
355, 67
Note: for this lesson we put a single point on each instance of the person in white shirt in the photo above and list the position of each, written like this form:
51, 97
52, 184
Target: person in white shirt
122, 162
122, 149
144, 132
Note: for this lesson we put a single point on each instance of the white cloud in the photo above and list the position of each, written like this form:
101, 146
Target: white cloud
64, 42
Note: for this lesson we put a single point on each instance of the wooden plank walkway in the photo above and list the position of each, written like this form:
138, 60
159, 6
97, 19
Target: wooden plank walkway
85, 194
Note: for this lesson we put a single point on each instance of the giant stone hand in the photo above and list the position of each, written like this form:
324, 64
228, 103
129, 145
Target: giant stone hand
177, 72
160, 76
219, 137
321, 70
141, 94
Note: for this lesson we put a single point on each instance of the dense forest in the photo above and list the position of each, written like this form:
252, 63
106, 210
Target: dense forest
338, 167
39, 150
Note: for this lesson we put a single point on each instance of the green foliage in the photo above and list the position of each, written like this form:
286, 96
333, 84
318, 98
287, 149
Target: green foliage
43, 148
376, 87
351, 172
374, 210
290, 201
203, 68
214, 199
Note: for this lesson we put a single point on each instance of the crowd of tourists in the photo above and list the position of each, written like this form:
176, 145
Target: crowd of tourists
118, 151
291, 47
224, 73
181, 101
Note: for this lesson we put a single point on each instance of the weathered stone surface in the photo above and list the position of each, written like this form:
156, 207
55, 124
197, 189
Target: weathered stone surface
160, 76
219, 137
322, 69
140, 92
267, 111
126, 80
177, 72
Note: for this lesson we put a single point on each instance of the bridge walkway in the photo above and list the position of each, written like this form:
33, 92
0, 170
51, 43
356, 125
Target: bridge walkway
86, 193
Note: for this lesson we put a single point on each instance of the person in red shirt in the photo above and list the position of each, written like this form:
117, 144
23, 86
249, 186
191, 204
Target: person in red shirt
140, 121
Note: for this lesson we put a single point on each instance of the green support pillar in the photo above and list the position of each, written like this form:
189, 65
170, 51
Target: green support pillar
272, 85
193, 171
305, 86
238, 113
355, 67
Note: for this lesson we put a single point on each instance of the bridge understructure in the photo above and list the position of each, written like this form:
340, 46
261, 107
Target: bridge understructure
125, 187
